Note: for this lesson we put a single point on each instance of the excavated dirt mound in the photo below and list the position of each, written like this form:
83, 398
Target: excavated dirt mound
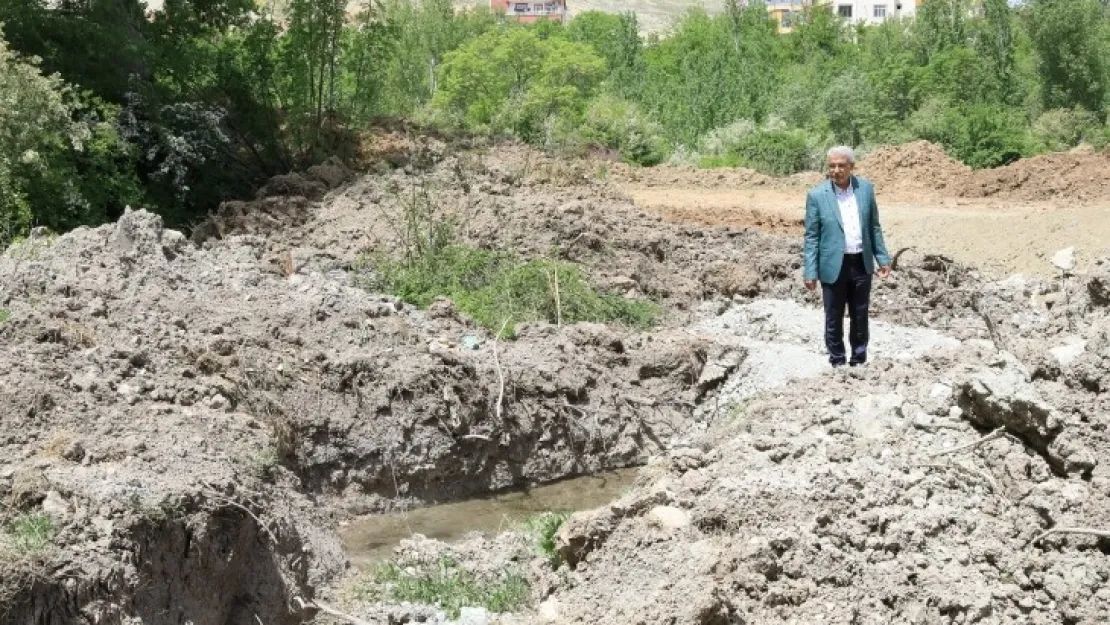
722, 178
1064, 176
967, 487
916, 166
193, 414
923, 167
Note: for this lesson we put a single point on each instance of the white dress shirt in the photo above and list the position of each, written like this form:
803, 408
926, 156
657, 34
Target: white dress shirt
849, 216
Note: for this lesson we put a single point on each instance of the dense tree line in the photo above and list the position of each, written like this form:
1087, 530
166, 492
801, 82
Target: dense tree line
108, 104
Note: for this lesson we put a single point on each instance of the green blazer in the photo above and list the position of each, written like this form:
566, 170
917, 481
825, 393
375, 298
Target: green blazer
823, 252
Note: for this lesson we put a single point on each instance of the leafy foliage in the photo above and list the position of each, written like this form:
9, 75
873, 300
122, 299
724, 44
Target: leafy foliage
543, 528
494, 288
449, 586
178, 109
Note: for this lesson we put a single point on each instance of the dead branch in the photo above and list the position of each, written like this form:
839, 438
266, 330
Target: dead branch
221, 499
996, 336
999, 433
1086, 531
970, 471
500, 374
558, 303
325, 608
482, 437
898, 254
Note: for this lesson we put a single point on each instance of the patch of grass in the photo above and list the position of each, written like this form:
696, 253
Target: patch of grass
5, 315
492, 287
450, 587
262, 464
737, 410
31, 533
715, 162
31, 247
542, 528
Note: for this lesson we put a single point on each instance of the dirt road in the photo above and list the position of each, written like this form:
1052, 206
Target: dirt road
1000, 238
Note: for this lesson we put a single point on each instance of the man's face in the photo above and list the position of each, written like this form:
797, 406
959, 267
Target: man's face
840, 170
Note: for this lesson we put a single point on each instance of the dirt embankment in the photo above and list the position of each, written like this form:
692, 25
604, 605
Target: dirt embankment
192, 416
923, 168
965, 487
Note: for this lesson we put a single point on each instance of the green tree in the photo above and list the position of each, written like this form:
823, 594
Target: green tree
1070, 40
711, 71
617, 40
61, 164
513, 79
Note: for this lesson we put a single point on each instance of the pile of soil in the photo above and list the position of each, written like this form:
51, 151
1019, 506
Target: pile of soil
1077, 175
698, 178
916, 166
194, 415
939, 490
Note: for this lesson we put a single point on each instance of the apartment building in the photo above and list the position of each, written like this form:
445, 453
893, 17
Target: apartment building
873, 11
531, 10
785, 12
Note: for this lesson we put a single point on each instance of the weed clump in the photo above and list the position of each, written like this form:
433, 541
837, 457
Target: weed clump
542, 528
495, 287
448, 586
30, 534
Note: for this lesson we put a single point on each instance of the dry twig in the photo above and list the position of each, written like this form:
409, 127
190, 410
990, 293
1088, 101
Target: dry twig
999, 433
500, 374
558, 302
221, 499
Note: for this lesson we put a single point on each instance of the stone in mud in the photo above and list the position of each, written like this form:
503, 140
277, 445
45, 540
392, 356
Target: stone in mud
29, 487
728, 279
1001, 395
584, 532
668, 517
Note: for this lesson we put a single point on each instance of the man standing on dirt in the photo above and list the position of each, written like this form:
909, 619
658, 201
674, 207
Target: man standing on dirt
843, 242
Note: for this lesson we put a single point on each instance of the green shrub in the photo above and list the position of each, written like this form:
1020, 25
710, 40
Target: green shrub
726, 139
980, 135
450, 587
623, 126
5, 315
543, 528
31, 533
1060, 129
494, 288
775, 152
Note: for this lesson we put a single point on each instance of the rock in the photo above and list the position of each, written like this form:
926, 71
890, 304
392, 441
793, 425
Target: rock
442, 309
29, 487
1064, 260
218, 402
668, 517
728, 279
55, 505
549, 611
1067, 353
473, 616
74, 451
1002, 396
582, 533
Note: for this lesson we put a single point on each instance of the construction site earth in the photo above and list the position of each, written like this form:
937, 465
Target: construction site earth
209, 426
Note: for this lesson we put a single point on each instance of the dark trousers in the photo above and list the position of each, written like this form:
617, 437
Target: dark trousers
852, 290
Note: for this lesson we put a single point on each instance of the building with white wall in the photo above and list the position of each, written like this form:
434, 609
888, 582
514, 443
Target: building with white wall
785, 12
872, 11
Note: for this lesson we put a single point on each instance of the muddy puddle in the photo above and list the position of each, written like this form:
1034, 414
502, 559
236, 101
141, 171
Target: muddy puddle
371, 539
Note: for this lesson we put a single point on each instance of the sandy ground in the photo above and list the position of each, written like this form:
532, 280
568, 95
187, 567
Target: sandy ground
1000, 238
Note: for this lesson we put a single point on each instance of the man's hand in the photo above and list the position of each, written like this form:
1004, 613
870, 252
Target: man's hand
811, 284
884, 272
